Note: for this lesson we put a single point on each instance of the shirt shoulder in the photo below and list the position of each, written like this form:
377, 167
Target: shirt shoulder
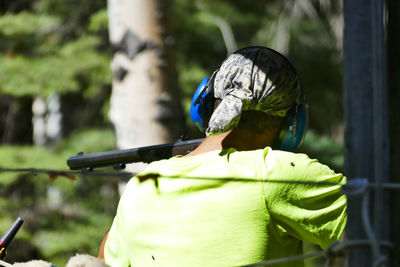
295, 166
303, 197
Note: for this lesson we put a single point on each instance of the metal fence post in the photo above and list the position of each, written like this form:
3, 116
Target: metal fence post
366, 116
393, 41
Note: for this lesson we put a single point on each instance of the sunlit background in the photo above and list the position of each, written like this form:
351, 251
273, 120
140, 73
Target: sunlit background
56, 83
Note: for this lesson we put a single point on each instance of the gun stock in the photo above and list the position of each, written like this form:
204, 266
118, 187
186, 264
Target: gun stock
118, 158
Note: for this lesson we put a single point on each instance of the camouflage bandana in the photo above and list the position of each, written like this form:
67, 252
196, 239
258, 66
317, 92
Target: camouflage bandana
252, 78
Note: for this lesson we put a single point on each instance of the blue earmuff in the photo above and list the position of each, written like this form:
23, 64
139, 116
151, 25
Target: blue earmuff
198, 107
294, 129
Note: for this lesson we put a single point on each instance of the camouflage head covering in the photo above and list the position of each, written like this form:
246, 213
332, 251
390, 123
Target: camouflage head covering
252, 78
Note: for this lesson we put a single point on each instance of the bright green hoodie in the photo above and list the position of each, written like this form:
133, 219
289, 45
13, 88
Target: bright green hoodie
253, 216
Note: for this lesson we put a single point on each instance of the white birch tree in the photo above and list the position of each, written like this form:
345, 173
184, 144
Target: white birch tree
145, 104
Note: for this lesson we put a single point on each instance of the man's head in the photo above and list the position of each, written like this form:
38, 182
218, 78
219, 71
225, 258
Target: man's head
252, 78
255, 89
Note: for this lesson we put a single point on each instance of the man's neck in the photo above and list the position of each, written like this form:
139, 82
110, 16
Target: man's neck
210, 143
239, 139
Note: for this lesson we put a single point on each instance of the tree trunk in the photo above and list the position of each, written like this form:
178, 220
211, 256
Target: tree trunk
145, 103
15, 119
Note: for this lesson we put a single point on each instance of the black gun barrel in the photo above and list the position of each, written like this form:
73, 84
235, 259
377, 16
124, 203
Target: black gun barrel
140, 154
9, 235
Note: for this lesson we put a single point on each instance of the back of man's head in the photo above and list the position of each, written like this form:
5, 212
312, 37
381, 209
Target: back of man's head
256, 79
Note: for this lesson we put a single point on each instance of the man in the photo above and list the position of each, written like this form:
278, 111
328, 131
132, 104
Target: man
236, 199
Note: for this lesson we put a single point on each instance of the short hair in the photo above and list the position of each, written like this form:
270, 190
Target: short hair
258, 121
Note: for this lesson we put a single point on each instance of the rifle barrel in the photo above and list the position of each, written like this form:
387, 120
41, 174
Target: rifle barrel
140, 154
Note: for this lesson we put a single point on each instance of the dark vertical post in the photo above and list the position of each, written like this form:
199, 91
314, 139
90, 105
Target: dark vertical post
366, 134
394, 120
380, 121
358, 115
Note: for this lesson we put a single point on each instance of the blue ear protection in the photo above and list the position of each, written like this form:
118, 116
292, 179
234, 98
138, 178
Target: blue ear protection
197, 109
294, 128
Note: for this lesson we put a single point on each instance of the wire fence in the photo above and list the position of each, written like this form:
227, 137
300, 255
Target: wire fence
353, 187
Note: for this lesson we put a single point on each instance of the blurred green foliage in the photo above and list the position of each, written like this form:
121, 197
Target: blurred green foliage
55, 74
62, 216
49, 46
25, 23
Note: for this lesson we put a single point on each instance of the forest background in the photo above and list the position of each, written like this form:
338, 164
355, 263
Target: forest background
56, 84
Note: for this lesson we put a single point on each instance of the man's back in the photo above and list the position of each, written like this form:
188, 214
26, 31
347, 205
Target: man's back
231, 208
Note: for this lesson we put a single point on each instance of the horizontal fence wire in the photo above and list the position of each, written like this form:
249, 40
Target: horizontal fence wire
69, 174
350, 187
